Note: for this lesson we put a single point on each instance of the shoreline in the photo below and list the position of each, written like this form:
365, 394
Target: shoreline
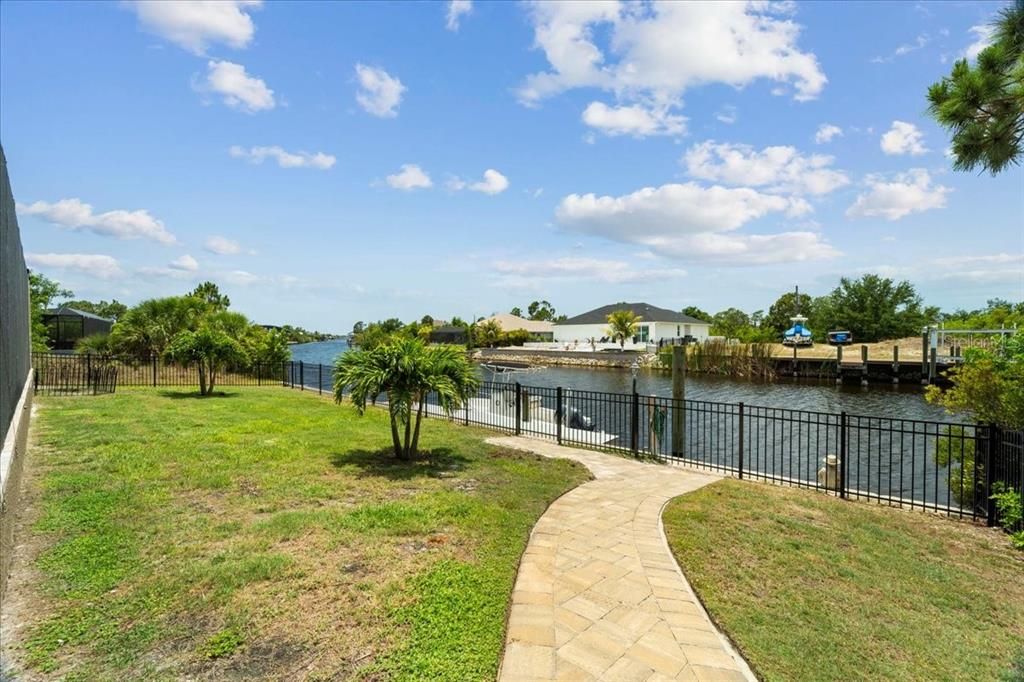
875, 371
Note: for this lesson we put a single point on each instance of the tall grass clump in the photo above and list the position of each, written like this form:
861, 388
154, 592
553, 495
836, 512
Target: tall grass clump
717, 356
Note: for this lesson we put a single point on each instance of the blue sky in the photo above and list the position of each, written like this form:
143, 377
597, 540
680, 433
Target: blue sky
327, 162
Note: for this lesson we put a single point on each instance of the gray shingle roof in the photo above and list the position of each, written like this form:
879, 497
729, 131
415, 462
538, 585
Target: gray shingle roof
646, 312
66, 311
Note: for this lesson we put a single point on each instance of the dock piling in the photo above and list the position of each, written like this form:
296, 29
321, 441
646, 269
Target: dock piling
678, 399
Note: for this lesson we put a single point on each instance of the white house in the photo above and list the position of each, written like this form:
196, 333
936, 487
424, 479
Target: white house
655, 324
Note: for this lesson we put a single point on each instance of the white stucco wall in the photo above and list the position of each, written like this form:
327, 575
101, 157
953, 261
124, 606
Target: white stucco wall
569, 333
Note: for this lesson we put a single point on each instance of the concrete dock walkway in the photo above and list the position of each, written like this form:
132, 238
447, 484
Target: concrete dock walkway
599, 595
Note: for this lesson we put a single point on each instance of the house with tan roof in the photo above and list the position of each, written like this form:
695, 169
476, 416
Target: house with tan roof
538, 329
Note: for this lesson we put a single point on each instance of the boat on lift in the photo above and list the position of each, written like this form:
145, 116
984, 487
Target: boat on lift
798, 335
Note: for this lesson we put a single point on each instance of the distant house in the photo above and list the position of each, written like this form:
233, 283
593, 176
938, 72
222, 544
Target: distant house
449, 334
65, 326
656, 324
539, 329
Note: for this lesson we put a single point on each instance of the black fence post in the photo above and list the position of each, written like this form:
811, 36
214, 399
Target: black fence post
559, 414
320, 378
154, 371
634, 425
741, 442
991, 450
302, 375
842, 455
519, 408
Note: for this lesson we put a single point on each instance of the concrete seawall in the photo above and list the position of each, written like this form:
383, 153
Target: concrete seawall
12, 463
564, 358
875, 371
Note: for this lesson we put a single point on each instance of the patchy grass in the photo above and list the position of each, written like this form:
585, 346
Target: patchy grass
269, 534
805, 583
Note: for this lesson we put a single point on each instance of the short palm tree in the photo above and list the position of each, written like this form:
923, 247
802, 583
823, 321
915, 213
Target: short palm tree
488, 333
406, 371
622, 325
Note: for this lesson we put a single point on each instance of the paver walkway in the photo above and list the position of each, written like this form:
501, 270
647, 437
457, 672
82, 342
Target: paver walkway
599, 595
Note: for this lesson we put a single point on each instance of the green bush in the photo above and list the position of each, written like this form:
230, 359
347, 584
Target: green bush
517, 337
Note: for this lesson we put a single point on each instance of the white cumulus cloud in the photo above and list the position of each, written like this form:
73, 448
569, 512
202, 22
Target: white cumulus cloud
656, 52
410, 177
776, 168
197, 24
827, 132
635, 120
238, 89
456, 9
284, 158
92, 264
379, 92
493, 183
695, 223
186, 263
78, 215
222, 246
892, 199
903, 138
982, 39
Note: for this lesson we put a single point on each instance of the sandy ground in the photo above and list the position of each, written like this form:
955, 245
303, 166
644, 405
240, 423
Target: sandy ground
910, 350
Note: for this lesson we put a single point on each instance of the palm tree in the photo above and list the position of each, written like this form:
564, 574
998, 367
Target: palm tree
210, 349
406, 370
488, 333
622, 325
149, 327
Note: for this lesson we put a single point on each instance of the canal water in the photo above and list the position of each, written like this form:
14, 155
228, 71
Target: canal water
892, 435
904, 401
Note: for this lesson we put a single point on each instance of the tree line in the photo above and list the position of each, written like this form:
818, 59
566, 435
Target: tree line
196, 329
872, 307
480, 333
45, 293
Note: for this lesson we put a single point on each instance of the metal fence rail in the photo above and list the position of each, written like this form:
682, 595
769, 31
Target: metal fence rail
64, 369
952, 468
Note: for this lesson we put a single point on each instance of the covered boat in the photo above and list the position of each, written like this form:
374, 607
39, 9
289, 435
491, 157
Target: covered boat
798, 334
840, 338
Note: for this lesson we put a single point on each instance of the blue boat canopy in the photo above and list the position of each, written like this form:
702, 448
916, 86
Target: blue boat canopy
798, 330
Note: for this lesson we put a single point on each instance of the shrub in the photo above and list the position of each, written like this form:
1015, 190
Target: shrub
209, 349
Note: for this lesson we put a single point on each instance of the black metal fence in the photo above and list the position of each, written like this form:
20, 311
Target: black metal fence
14, 306
945, 467
62, 372
75, 378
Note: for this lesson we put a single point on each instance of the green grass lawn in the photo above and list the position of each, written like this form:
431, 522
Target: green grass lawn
269, 534
813, 588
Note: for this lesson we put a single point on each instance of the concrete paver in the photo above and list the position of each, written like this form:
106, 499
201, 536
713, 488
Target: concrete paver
599, 595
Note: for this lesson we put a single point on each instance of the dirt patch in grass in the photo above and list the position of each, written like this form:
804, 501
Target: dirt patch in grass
810, 586
269, 536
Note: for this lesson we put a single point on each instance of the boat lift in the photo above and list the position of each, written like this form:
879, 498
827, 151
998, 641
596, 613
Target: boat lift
797, 336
